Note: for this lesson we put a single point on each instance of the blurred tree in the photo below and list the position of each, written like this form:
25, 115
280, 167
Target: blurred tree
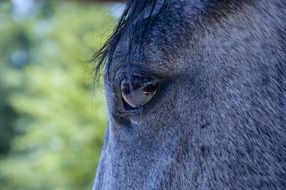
7, 117
7, 113
50, 122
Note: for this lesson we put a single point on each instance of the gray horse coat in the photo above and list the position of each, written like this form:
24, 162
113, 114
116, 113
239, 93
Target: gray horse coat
196, 94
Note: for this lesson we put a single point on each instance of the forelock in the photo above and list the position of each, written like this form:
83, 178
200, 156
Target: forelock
135, 13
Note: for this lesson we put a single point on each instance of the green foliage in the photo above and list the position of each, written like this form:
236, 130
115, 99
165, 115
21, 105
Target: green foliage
50, 121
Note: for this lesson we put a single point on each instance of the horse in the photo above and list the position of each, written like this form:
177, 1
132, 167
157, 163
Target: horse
196, 94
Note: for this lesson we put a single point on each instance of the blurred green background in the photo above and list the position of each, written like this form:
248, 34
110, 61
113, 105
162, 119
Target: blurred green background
52, 119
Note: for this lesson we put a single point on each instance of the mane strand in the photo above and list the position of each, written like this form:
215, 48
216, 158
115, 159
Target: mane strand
134, 12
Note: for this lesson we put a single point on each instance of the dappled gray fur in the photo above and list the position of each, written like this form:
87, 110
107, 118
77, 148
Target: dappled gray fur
218, 121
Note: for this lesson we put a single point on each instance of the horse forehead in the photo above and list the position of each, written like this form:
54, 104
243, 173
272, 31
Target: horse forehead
171, 33
166, 34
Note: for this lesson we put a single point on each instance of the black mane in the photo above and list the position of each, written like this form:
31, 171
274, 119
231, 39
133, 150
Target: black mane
133, 12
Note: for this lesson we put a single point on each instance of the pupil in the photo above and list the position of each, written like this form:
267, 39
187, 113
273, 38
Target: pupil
150, 88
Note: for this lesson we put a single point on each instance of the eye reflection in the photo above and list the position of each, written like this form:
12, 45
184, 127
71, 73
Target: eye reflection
138, 91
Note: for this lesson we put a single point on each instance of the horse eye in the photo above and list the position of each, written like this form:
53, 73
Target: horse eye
138, 91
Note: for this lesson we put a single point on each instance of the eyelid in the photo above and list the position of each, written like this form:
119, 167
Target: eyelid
128, 71
121, 75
